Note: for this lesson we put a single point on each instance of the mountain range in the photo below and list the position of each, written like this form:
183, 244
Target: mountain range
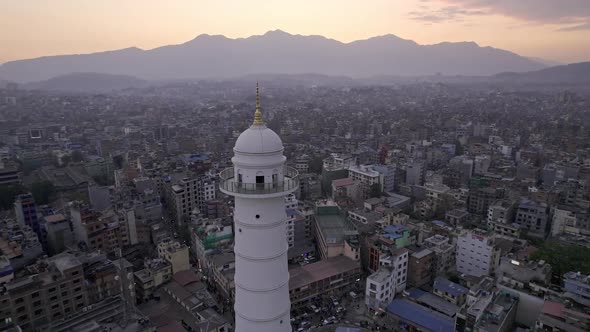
278, 52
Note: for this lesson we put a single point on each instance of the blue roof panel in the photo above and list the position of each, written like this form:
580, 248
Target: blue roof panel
450, 287
421, 316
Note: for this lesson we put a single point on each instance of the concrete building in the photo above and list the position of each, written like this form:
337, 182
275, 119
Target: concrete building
480, 199
188, 194
517, 273
477, 253
555, 316
533, 216
310, 187
291, 205
379, 291
9, 173
156, 272
501, 212
335, 235
415, 172
456, 217
19, 244
176, 254
577, 287
329, 276
444, 253
259, 181
302, 164
6, 270
345, 188
25, 210
489, 311
54, 293
98, 231
388, 176
450, 291
388, 280
59, 234
405, 315
421, 265
366, 177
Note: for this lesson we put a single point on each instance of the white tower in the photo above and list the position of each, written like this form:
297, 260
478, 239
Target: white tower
259, 181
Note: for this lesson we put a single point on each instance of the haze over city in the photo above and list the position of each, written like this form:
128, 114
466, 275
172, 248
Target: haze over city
295, 166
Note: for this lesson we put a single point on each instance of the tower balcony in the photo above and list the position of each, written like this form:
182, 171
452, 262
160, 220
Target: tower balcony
230, 186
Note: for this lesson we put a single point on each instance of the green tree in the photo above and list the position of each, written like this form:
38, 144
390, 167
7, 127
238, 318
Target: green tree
375, 190
118, 161
8, 195
564, 257
316, 164
77, 156
42, 191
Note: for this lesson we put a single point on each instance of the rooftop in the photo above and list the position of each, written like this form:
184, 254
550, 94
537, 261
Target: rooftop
334, 228
342, 182
307, 274
381, 276
434, 302
421, 316
55, 218
445, 285
577, 276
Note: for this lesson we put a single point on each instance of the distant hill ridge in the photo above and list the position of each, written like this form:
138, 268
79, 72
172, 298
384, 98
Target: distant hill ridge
575, 73
87, 82
278, 52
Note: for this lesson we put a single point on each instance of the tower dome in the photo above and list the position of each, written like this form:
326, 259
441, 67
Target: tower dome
258, 139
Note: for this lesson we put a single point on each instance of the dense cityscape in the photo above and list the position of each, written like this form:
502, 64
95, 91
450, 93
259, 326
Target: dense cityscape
420, 206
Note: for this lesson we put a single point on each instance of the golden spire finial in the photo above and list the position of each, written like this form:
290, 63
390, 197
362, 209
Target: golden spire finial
258, 115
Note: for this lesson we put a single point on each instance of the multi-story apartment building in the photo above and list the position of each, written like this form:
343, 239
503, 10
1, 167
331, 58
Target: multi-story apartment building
335, 234
420, 267
188, 194
366, 177
155, 273
577, 287
25, 210
388, 175
444, 253
291, 204
397, 263
59, 234
176, 254
415, 172
533, 216
501, 212
54, 293
378, 291
302, 164
106, 231
9, 173
480, 199
477, 253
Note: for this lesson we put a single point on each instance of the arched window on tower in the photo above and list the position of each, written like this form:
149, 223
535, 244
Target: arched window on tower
259, 180
275, 178
240, 179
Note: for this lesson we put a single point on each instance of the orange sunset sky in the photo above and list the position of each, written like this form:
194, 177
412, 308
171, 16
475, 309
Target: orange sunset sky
550, 29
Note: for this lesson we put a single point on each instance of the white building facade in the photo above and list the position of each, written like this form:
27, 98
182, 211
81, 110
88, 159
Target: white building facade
477, 254
259, 181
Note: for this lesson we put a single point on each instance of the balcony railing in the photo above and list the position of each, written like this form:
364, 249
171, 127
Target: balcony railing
228, 183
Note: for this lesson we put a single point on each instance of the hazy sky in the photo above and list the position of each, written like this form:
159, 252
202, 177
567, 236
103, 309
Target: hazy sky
551, 29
